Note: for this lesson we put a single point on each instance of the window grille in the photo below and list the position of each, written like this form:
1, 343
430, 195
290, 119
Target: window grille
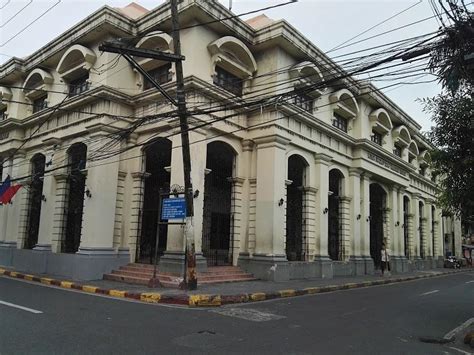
3, 114
78, 86
304, 101
397, 151
40, 104
228, 81
161, 75
376, 138
339, 122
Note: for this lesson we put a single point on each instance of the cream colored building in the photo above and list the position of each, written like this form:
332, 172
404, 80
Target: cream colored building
305, 185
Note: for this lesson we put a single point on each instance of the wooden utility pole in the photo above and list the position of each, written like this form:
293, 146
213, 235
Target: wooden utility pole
128, 52
190, 280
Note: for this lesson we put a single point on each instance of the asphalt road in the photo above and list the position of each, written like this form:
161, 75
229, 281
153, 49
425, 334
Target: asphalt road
376, 320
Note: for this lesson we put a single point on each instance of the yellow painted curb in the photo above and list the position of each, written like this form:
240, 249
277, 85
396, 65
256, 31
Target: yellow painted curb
13, 274
204, 300
287, 293
351, 285
2, 271
260, 296
90, 289
150, 297
117, 293
28, 277
312, 290
46, 281
66, 284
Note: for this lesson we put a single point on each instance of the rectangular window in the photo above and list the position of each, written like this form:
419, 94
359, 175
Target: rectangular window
79, 85
3, 114
304, 101
339, 122
228, 81
376, 138
161, 75
40, 104
397, 151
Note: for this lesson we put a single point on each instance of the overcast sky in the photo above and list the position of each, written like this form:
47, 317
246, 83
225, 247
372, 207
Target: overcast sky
327, 23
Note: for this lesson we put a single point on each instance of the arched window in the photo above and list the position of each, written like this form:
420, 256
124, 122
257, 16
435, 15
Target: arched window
413, 153
160, 71
401, 140
306, 75
232, 64
36, 87
345, 109
381, 125
74, 68
5, 95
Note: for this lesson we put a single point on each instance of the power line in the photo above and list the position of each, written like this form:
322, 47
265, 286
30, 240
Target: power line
16, 14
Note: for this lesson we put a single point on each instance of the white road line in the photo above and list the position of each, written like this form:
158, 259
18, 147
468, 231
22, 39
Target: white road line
20, 307
469, 282
456, 330
429, 293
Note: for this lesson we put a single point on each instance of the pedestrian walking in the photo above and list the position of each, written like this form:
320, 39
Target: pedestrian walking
385, 257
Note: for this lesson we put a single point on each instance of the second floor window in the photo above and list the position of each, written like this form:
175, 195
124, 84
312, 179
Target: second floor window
397, 151
40, 104
228, 81
79, 85
340, 122
3, 114
161, 75
304, 101
376, 138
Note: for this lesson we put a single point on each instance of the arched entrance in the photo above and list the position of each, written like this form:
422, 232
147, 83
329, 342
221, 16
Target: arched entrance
421, 207
217, 237
38, 164
406, 211
77, 157
295, 241
157, 158
334, 223
378, 198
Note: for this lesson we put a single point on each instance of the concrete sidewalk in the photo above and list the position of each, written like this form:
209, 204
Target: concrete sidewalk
227, 293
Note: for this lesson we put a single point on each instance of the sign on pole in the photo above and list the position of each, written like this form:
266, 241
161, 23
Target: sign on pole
173, 208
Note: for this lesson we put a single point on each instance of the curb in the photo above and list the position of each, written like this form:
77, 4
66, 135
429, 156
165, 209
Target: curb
214, 300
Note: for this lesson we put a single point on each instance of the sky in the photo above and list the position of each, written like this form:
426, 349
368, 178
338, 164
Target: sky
326, 23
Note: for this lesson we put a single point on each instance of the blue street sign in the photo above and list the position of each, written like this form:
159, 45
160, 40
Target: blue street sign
173, 208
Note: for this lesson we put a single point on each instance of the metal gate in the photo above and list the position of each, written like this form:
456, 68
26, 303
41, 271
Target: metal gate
405, 225
294, 223
217, 234
34, 201
377, 197
334, 228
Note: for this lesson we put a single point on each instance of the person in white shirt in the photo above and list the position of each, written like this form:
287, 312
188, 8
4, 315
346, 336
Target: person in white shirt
385, 257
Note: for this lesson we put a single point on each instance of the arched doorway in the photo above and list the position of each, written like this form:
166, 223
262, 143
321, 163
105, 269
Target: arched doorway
406, 211
157, 159
217, 238
334, 223
77, 157
378, 198
295, 241
420, 229
38, 164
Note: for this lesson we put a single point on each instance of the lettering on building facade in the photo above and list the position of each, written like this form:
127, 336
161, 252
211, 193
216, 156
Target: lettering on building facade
385, 163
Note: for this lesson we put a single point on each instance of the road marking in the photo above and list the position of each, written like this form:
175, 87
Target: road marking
460, 350
456, 330
429, 293
253, 315
469, 282
20, 307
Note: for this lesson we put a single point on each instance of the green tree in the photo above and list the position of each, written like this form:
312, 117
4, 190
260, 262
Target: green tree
453, 158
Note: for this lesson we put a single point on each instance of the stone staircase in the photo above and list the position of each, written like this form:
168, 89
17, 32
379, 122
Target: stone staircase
141, 274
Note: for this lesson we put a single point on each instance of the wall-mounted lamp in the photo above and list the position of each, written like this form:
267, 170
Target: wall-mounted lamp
368, 219
397, 224
196, 194
280, 203
88, 193
43, 198
325, 210
358, 216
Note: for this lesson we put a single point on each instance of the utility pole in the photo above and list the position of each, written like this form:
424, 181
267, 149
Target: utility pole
127, 51
190, 280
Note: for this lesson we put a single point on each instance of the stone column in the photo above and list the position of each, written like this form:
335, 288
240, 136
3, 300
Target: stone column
438, 238
237, 230
365, 223
46, 226
6, 246
324, 267
310, 217
355, 222
429, 236
173, 258
395, 227
457, 237
416, 230
401, 232
269, 259
345, 205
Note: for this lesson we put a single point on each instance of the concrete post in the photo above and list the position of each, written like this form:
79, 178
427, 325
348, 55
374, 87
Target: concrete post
365, 223
355, 221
